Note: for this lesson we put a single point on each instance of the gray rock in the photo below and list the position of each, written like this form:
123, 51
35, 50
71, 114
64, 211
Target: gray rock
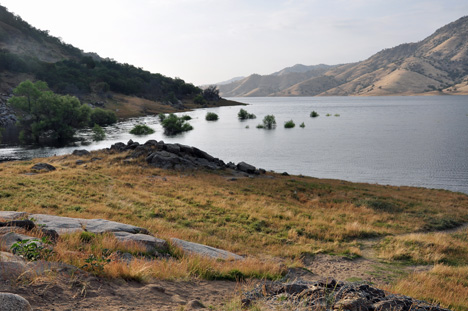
247, 168
11, 238
9, 257
67, 225
13, 302
8, 215
81, 152
172, 148
43, 167
204, 250
153, 245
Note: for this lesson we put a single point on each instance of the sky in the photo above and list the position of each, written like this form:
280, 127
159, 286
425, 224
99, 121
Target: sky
209, 41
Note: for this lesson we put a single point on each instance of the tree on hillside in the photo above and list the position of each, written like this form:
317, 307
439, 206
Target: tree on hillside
211, 93
46, 116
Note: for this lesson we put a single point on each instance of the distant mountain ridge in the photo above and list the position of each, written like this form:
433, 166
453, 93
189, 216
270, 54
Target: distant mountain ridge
435, 65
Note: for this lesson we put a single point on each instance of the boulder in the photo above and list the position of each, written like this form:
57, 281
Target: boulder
204, 250
81, 152
13, 302
194, 305
43, 167
152, 244
25, 224
7, 240
246, 168
172, 148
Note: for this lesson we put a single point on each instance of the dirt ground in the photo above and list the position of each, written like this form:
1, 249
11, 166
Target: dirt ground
90, 293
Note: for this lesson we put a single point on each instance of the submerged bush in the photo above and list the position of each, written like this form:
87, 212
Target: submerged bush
211, 116
314, 114
98, 133
141, 129
244, 115
269, 122
173, 125
302, 125
289, 124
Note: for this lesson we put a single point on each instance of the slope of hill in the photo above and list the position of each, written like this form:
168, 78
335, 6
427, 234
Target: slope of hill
29, 53
257, 85
436, 65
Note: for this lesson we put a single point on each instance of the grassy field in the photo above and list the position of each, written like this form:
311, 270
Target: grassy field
272, 219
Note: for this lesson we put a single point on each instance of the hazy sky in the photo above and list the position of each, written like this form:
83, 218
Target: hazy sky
207, 41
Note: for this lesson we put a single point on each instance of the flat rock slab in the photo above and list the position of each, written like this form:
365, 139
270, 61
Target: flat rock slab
9, 215
152, 244
69, 225
205, 251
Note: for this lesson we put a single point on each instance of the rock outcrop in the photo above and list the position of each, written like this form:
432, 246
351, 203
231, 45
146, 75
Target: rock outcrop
179, 157
53, 226
331, 295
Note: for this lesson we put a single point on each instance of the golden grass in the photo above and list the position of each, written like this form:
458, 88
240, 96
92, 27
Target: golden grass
262, 218
432, 248
442, 284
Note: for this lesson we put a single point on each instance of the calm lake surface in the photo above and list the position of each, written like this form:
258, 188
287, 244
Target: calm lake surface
414, 141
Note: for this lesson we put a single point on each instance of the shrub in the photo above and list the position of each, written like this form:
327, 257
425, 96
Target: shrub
173, 125
260, 126
269, 122
98, 133
199, 100
161, 117
32, 249
289, 124
244, 115
302, 125
186, 117
102, 117
314, 114
211, 116
141, 129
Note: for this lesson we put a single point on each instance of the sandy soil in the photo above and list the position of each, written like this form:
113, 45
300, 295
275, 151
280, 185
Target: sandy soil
90, 293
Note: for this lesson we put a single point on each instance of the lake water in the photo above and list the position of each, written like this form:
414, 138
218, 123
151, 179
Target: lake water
414, 141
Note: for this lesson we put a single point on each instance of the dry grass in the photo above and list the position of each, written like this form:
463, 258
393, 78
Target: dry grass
262, 218
443, 284
430, 248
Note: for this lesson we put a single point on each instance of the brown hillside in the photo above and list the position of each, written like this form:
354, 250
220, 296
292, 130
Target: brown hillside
436, 65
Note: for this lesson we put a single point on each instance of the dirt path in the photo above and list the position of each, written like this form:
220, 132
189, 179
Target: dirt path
368, 268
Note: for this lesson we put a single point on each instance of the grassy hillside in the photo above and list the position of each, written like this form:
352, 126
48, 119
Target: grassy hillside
272, 219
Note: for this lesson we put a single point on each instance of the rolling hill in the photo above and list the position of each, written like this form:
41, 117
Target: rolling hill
435, 65
30, 53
